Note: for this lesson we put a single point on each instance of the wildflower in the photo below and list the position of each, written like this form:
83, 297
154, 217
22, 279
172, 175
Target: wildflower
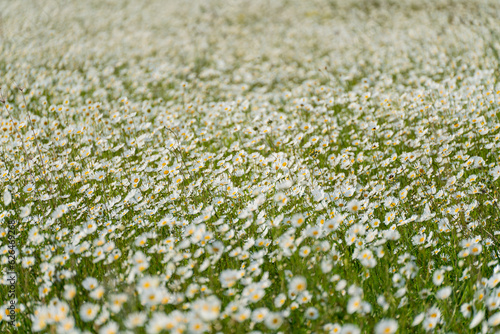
66, 325
298, 220
88, 311
495, 173
354, 304
304, 251
256, 295
312, 313
97, 293
494, 280
242, 315
350, 329
28, 261
273, 320
69, 292
7, 197
85, 152
418, 319
354, 206
260, 314
475, 249
116, 302
438, 277
279, 300
197, 326
494, 320
28, 188
492, 303
444, 292
297, 284
157, 323
430, 324
134, 320
477, 319
90, 283
110, 328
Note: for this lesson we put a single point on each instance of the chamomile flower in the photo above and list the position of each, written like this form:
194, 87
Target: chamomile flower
273, 320
354, 206
312, 313
438, 277
260, 314
136, 319
386, 326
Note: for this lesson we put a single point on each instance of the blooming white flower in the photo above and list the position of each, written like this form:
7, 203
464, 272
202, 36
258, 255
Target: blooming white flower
418, 319
90, 283
273, 320
297, 284
354, 206
477, 319
110, 328
438, 277
312, 313
444, 292
354, 304
350, 329
466, 310
7, 197
386, 326
88, 311
259, 314
136, 319
69, 292
494, 320
279, 300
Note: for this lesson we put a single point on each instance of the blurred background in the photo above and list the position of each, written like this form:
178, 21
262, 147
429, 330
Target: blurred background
259, 42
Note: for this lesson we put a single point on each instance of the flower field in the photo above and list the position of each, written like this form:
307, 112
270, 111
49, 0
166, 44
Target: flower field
263, 166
